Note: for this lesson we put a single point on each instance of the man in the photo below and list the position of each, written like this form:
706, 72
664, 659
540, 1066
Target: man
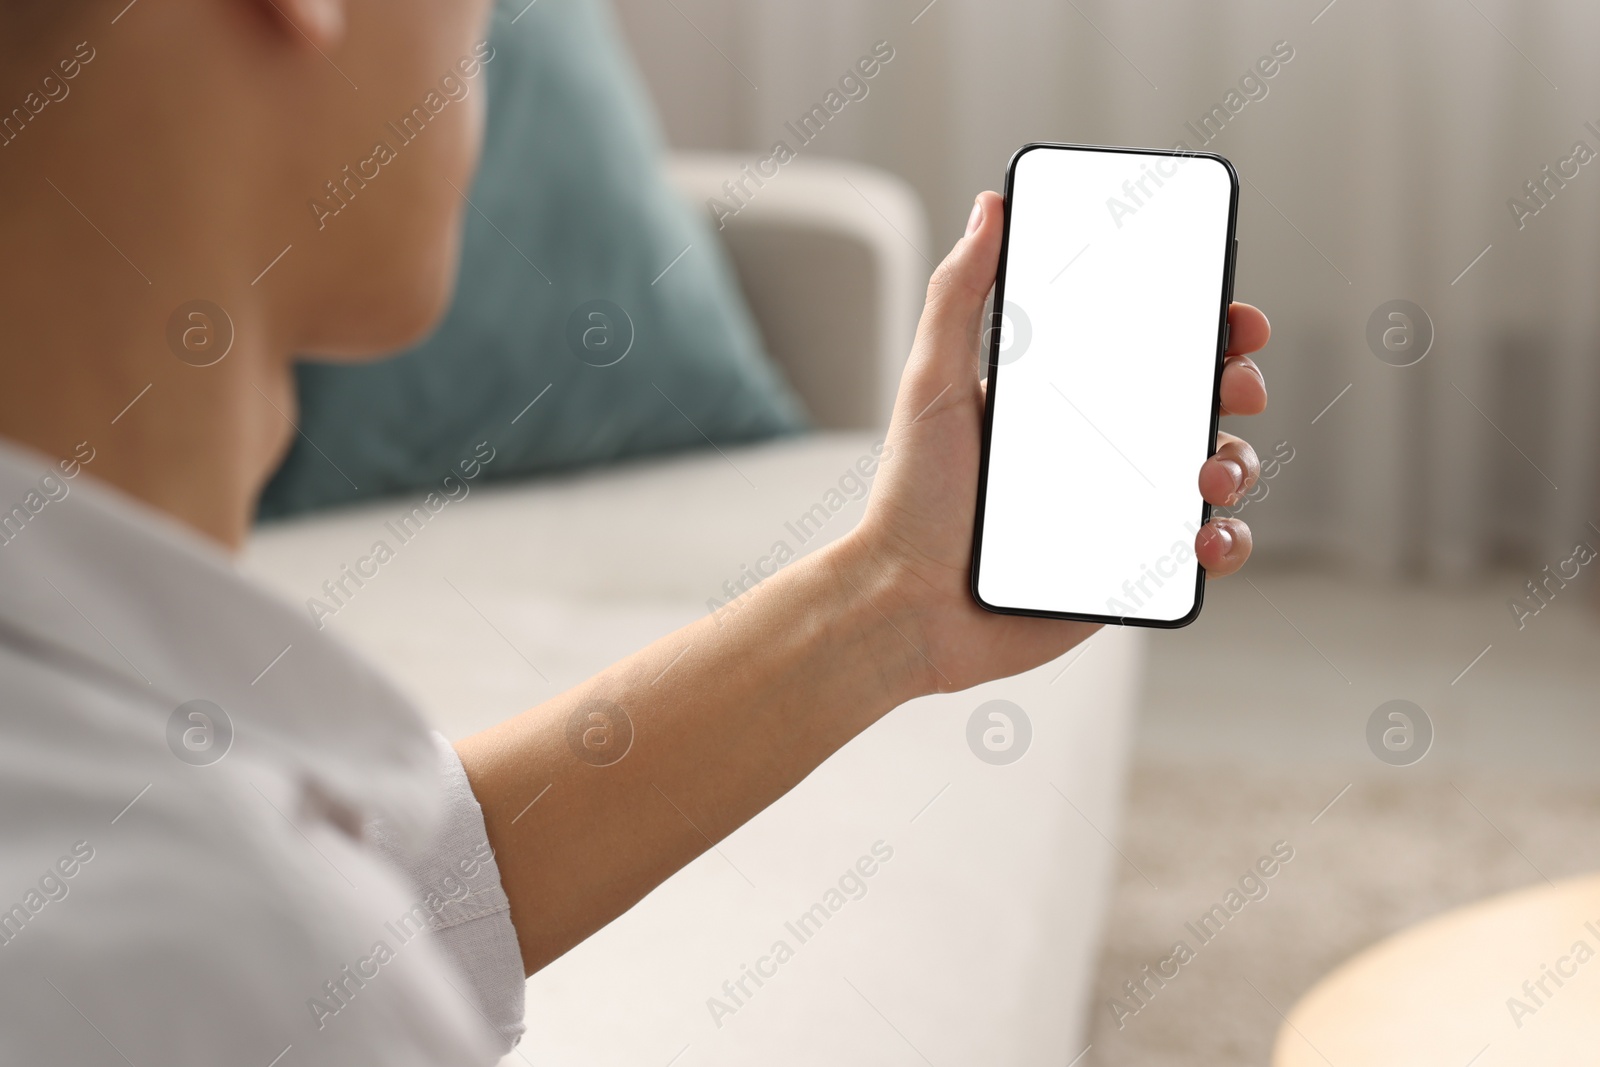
344, 888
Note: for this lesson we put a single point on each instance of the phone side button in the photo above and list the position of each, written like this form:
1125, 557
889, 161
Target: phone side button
1233, 269
1227, 336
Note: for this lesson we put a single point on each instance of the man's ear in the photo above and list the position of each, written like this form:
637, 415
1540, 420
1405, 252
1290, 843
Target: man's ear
318, 22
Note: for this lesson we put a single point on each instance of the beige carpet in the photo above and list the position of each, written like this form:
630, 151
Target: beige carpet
1398, 847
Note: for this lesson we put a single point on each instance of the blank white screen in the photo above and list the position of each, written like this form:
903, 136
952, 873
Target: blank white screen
1103, 397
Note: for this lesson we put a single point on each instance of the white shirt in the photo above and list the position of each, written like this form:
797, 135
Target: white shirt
300, 878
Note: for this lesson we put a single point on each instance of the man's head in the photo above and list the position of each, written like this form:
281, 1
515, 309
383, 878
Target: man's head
296, 168
344, 130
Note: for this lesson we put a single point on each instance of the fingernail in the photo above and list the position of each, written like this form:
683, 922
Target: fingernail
975, 219
1235, 472
1223, 537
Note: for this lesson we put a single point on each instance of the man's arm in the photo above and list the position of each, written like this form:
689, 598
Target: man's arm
728, 714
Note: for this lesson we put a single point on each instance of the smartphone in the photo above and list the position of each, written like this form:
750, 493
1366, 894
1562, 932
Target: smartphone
1106, 345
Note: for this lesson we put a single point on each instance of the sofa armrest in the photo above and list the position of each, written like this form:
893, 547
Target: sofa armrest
828, 256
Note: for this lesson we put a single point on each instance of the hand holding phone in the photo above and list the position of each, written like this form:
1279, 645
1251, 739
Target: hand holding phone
912, 552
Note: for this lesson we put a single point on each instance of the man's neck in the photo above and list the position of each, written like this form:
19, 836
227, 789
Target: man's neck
99, 350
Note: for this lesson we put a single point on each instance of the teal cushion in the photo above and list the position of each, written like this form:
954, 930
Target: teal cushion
561, 298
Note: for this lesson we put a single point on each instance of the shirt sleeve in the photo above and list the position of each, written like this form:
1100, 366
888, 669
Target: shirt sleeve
463, 903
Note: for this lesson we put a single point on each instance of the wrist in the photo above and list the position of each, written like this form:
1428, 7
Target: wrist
872, 606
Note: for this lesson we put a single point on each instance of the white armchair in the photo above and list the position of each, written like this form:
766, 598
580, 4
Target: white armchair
830, 259
976, 941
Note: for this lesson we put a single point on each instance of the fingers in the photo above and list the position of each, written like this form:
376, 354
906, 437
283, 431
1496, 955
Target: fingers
1248, 330
953, 317
1229, 474
1244, 390
944, 366
1222, 546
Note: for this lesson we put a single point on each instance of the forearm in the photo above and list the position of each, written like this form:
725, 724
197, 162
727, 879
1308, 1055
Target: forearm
727, 715
730, 713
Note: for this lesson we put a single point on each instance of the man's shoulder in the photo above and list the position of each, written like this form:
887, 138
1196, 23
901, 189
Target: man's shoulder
188, 908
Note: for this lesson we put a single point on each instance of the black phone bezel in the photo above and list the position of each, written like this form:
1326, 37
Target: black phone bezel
1230, 264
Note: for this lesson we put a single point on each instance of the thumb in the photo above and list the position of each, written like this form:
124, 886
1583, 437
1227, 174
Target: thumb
952, 320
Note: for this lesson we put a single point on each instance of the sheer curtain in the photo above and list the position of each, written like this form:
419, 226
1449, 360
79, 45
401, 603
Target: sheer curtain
1381, 163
